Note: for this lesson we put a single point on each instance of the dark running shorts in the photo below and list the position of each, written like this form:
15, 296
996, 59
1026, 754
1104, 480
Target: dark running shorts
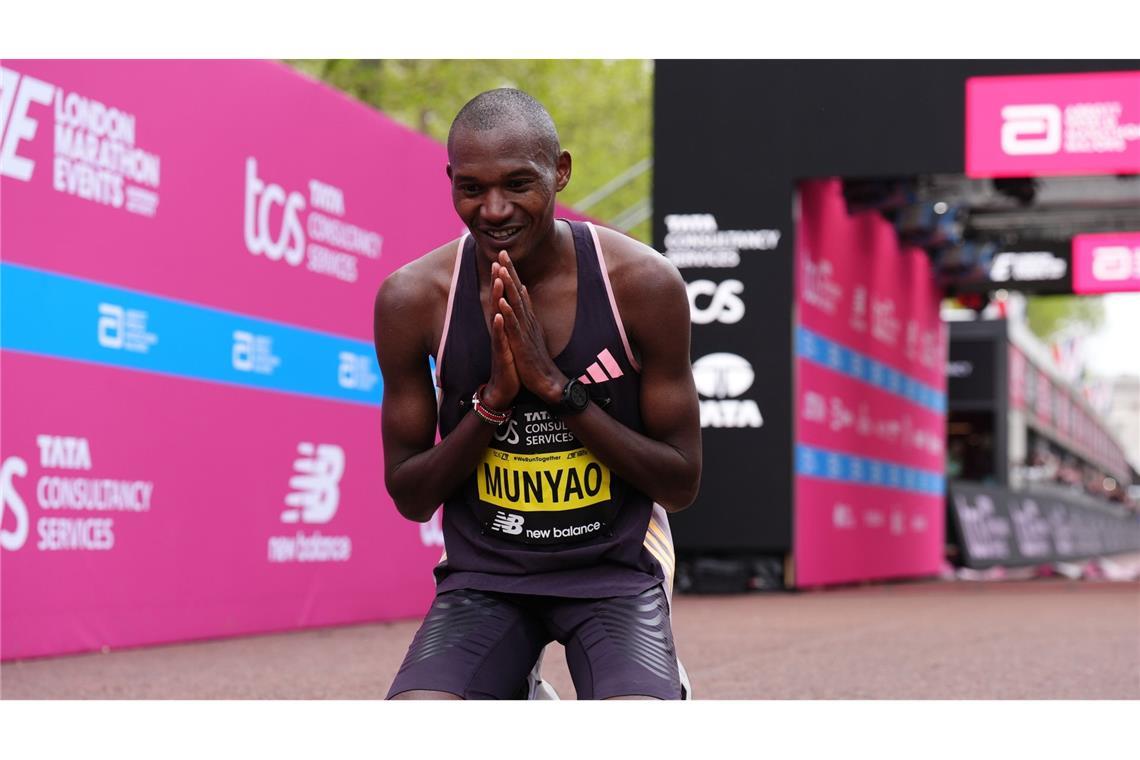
482, 645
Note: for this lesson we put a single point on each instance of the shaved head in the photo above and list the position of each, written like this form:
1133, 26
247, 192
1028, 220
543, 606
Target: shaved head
511, 108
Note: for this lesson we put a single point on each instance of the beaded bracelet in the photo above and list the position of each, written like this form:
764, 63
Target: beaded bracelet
493, 416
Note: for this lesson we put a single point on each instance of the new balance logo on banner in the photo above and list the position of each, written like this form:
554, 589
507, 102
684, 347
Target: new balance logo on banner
603, 370
315, 484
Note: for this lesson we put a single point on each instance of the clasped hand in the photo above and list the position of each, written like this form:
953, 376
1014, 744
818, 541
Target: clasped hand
519, 356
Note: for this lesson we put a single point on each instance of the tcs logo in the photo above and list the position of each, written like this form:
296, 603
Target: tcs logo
724, 305
261, 197
14, 537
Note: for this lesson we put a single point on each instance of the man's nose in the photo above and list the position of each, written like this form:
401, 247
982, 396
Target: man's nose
496, 208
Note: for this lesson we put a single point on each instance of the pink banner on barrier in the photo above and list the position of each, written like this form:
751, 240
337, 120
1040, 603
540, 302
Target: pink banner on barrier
1106, 263
854, 286
138, 520
865, 532
840, 413
862, 300
1053, 124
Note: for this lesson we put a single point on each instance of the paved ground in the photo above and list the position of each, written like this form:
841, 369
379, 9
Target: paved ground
1041, 639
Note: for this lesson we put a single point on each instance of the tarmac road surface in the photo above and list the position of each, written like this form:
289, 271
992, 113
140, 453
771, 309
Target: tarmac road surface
1040, 639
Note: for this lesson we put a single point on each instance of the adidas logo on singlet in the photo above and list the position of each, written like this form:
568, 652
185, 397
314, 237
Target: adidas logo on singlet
605, 368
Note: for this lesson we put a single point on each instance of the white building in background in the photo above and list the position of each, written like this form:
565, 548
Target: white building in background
1123, 415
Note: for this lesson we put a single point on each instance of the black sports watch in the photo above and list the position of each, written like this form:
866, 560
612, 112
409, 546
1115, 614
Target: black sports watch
575, 398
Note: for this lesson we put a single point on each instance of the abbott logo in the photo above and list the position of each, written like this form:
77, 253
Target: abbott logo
355, 371
10, 499
1031, 130
509, 524
721, 378
315, 483
725, 304
122, 329
1115, 263
260, 198
112, 325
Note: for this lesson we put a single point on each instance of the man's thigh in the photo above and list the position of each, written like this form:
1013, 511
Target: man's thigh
619, 647
473, 645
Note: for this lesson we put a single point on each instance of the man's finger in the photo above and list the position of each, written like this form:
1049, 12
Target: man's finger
498, 338
511, 320
510, 289
502, 345
507, 264
496, 290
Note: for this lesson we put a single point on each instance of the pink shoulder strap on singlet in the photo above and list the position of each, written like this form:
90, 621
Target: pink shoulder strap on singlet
613, 302
447, 315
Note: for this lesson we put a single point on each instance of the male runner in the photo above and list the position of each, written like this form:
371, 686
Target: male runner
567, 414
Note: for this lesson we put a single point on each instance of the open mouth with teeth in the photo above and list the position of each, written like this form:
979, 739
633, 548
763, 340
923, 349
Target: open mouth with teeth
502, 235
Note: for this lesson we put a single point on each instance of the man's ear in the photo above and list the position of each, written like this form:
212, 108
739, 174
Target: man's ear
562, 171
449, 171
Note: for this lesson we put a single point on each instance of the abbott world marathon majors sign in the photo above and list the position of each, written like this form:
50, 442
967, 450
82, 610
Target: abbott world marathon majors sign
191, 402
870, 398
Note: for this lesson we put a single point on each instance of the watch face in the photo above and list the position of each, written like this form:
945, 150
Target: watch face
579, 396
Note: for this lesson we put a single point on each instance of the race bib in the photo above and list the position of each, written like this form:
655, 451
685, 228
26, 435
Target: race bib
536, 484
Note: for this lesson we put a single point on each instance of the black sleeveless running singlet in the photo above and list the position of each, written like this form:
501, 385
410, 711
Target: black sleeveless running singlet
540, 515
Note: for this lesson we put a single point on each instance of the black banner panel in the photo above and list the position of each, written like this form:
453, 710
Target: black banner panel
1038, 267
995, 526
971, 370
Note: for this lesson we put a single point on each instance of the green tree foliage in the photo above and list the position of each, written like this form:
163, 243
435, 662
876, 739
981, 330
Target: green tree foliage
1048, 316
603, 110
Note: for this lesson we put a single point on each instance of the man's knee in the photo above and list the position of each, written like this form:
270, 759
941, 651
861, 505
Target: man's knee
423, 694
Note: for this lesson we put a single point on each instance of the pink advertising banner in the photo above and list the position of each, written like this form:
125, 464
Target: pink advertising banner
140, 521
237, 185
191, 401
870, 398
1053, 124
1106, 263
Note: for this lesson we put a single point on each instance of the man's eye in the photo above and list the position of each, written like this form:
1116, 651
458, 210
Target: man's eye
518, 184
470, 189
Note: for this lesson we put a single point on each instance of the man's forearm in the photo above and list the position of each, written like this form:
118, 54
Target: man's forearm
423, 481
657, 469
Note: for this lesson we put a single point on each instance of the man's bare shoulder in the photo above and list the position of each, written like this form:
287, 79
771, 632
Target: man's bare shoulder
636, 270
420, 283
410, 303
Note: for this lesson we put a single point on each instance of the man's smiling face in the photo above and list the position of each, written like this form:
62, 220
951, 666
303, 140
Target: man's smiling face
503, 186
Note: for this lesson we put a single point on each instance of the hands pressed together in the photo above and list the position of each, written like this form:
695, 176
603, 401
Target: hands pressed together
519, 357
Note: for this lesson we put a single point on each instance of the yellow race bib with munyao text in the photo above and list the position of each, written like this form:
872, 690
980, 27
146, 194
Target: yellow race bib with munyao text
537, 484
554, 481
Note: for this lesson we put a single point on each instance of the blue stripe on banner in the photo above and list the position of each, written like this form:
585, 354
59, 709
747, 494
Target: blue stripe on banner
835, 465
835, 356
66, 317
